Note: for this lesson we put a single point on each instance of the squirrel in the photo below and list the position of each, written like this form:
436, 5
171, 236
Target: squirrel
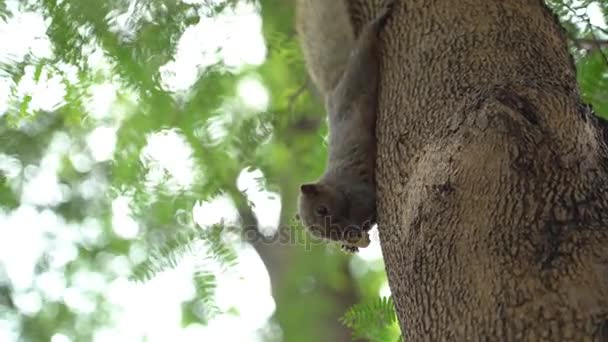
341, 205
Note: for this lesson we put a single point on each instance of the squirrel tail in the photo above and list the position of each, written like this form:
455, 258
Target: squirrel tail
327, 38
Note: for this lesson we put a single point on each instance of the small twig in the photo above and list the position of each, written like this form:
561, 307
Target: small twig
584, 17
589, 44
291, 100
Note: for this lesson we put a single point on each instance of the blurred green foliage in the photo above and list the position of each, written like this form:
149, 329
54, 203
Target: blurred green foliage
126, 43
374, 321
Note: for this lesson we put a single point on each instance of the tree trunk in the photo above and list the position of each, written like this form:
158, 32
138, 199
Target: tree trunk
492, 175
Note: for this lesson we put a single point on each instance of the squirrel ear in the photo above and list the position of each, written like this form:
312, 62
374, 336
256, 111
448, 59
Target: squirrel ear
309, 189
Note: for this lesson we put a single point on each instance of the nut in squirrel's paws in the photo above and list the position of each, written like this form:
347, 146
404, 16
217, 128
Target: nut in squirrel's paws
353, 247
363, 241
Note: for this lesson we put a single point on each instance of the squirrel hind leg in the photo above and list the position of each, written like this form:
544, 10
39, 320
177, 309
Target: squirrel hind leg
369, 34
384, 14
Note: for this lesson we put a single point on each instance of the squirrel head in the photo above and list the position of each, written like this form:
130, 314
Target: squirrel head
324, 211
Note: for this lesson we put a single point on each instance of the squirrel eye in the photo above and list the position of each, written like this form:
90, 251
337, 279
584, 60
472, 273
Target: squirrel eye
321, 210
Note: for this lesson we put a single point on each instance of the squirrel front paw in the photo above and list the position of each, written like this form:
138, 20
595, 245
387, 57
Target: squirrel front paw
358, 239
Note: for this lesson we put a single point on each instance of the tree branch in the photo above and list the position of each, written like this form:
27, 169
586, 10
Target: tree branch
589, 44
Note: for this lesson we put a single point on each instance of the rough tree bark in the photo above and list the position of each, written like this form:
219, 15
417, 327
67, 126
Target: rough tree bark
492, 175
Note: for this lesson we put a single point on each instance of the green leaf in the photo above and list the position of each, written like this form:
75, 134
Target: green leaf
373, 320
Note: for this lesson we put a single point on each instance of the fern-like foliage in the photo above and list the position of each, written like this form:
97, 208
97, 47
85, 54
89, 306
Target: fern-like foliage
373, 321
208, 249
